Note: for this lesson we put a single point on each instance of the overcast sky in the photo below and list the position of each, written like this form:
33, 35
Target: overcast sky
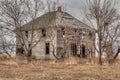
75, 7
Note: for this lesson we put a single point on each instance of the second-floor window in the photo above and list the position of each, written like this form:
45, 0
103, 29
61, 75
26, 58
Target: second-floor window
43, 32
63, 31
26, 34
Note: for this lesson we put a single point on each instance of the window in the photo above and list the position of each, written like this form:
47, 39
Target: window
63, 31
75, 30
47, 48
43, 32
26, 34
20, 51
74, 49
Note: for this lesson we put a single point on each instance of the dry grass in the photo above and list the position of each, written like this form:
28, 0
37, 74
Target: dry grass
51, 70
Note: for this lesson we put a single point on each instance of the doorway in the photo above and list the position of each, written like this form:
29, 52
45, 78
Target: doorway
82, 51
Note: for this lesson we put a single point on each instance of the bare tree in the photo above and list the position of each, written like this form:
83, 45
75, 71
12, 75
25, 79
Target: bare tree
110, 38
51, 34
117, 53
7, 46
15, 13
101, 14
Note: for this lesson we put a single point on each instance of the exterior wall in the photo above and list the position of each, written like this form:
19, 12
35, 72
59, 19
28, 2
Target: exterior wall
56, 39
68, 22
78, 38
39, 50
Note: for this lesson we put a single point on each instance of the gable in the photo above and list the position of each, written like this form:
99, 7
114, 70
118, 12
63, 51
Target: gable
55, 18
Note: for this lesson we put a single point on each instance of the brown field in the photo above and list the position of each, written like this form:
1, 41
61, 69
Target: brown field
51, 70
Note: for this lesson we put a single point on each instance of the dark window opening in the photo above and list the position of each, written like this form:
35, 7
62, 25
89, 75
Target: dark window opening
43, 32
47, 48
82, 52
26, 34
74, 49
75, 30
63, 31
20, 51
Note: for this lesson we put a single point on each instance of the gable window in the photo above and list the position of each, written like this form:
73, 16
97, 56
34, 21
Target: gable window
47, 48
26, 34
43, 32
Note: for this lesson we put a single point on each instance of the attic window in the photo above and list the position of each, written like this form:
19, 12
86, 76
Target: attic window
43, 32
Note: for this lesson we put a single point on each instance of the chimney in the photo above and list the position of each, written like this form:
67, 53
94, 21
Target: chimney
59, 9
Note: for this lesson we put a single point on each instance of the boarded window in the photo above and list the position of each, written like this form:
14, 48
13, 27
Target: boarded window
47, 48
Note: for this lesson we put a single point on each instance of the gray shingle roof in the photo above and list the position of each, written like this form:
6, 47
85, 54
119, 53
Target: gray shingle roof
55, 18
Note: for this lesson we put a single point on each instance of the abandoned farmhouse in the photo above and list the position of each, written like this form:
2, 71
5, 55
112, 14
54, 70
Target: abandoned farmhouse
61, 35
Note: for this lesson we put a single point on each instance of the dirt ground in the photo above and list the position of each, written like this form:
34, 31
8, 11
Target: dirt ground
50, 70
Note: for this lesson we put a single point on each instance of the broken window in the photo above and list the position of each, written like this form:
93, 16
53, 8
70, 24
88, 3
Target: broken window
83, 52
20, 51
26, 34
74, 49
47, 48
43, 32
75, 30
63, 31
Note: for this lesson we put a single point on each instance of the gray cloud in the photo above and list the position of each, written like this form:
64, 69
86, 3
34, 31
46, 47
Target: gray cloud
75, 7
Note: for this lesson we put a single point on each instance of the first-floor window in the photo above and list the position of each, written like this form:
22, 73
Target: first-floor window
20, 50
74, 49
47, 48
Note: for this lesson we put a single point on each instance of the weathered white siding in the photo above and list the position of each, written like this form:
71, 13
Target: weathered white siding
39, 50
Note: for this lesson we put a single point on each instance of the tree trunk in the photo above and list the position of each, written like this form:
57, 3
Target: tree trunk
100, 58
100, 48
116, 54
29, 54
54, 52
